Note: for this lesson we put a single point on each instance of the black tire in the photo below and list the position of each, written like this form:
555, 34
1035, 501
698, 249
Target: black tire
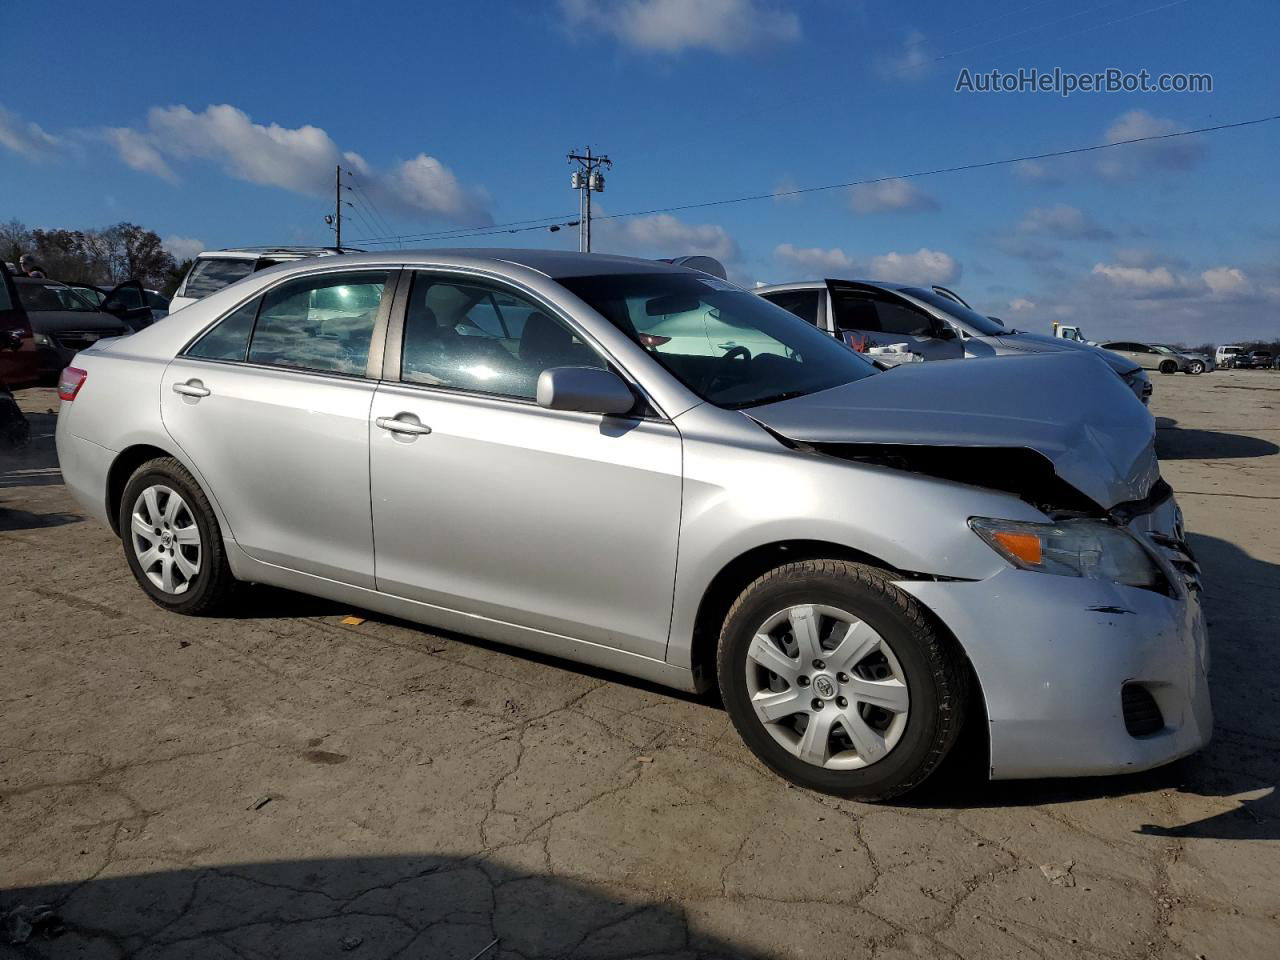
1196, 367
936, 674
210, 591
1168, 366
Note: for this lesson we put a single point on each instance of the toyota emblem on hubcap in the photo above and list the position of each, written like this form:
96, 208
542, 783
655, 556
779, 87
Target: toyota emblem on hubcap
824, 687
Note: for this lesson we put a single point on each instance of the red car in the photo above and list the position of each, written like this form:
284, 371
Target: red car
18, 361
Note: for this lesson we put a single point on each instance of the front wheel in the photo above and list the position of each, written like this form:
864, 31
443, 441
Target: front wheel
172, 542
837, 680
1196, 367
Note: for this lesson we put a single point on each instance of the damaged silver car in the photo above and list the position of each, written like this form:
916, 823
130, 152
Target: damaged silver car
531, 447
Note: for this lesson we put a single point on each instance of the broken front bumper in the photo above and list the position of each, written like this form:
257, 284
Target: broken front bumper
1070, 668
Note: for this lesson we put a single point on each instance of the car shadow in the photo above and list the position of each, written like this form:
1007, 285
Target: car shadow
12, 520
371, 907
1175, 443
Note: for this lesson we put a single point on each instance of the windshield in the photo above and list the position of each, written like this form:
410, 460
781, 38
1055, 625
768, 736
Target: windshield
975, 322
211, 275
728, 346
48, 297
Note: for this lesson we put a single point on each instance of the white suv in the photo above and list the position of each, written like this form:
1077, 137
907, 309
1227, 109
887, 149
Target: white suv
215, 269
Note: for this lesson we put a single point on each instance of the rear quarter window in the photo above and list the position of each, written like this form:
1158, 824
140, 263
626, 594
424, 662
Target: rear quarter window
211, 275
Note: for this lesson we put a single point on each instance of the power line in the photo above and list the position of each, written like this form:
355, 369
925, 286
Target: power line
799, 191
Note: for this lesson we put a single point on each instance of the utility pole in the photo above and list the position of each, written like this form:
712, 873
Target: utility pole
587, 179
334, 219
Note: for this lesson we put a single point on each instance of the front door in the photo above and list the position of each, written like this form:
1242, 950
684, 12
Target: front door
486, 503
272, 408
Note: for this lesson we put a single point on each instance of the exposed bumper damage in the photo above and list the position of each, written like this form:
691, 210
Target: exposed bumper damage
1055, 655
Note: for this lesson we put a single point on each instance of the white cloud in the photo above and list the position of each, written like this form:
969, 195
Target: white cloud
1021, 305
1064, 222
300, 159
923, 267
1135, 160
1226, 281
26, 137
815, 260
662, 235
672, 26
183, 248
1140, 282
890, 196
137, 152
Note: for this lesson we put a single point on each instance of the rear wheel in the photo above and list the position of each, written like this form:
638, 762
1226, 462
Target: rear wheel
172, 542
1168, 366
837, 680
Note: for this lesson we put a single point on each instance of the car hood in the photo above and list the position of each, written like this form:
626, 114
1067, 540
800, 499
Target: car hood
1039, 343
59, 321
1070, 409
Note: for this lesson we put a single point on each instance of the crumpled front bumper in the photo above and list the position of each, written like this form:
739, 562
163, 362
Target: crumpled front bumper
1052, 655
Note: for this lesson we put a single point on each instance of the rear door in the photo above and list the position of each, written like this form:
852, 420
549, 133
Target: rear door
128, 302
272, 406
488, 504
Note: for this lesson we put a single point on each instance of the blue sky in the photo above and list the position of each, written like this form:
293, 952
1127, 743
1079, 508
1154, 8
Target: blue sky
220, 126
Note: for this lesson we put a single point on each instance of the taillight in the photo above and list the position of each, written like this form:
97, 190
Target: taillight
653, 339
70, 382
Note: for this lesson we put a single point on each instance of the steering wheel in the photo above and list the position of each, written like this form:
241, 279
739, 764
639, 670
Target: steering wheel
720, 371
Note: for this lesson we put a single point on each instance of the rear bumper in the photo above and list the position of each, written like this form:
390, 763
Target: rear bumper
84, 466
1053, 655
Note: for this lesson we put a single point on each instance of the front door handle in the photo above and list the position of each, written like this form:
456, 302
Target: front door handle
396, 425
192, 388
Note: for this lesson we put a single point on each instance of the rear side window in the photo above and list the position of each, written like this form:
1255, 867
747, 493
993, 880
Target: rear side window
211, 275
229, 340
803, 303
322, 323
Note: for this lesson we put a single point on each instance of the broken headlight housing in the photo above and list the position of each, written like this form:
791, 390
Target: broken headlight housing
1092, 549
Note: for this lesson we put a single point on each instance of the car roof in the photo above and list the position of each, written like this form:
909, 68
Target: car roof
228, 253
556, 264
820, 284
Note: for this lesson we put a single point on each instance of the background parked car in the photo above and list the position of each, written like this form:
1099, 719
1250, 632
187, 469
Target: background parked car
1151, 356
934, 323
215, 269
1196, 362
130, 301
1256, 360
63, 322
18, 361
1226, 355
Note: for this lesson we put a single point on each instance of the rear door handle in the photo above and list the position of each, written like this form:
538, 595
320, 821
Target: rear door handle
192, 388
396, 425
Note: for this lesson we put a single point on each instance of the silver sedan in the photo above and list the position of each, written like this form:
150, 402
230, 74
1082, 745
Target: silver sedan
511, 444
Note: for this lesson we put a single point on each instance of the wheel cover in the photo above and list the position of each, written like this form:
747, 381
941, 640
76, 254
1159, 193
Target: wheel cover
827, 687
165, 539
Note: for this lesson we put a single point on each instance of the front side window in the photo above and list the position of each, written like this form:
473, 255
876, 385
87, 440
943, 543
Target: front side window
322, 323
864, 313
730, 347
211, 275
462, 335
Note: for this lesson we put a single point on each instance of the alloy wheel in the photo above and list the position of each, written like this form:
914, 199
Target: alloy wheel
165, 539
827, 687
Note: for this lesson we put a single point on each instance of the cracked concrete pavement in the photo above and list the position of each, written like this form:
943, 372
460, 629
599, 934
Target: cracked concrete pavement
283, 784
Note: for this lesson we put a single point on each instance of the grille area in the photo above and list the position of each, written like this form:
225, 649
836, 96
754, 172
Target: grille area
1142, 715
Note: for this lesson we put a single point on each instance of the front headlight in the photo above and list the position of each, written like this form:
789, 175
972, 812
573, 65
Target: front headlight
1073, 548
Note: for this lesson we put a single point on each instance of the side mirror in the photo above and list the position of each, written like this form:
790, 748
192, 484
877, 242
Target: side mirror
946, 333
585, 389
